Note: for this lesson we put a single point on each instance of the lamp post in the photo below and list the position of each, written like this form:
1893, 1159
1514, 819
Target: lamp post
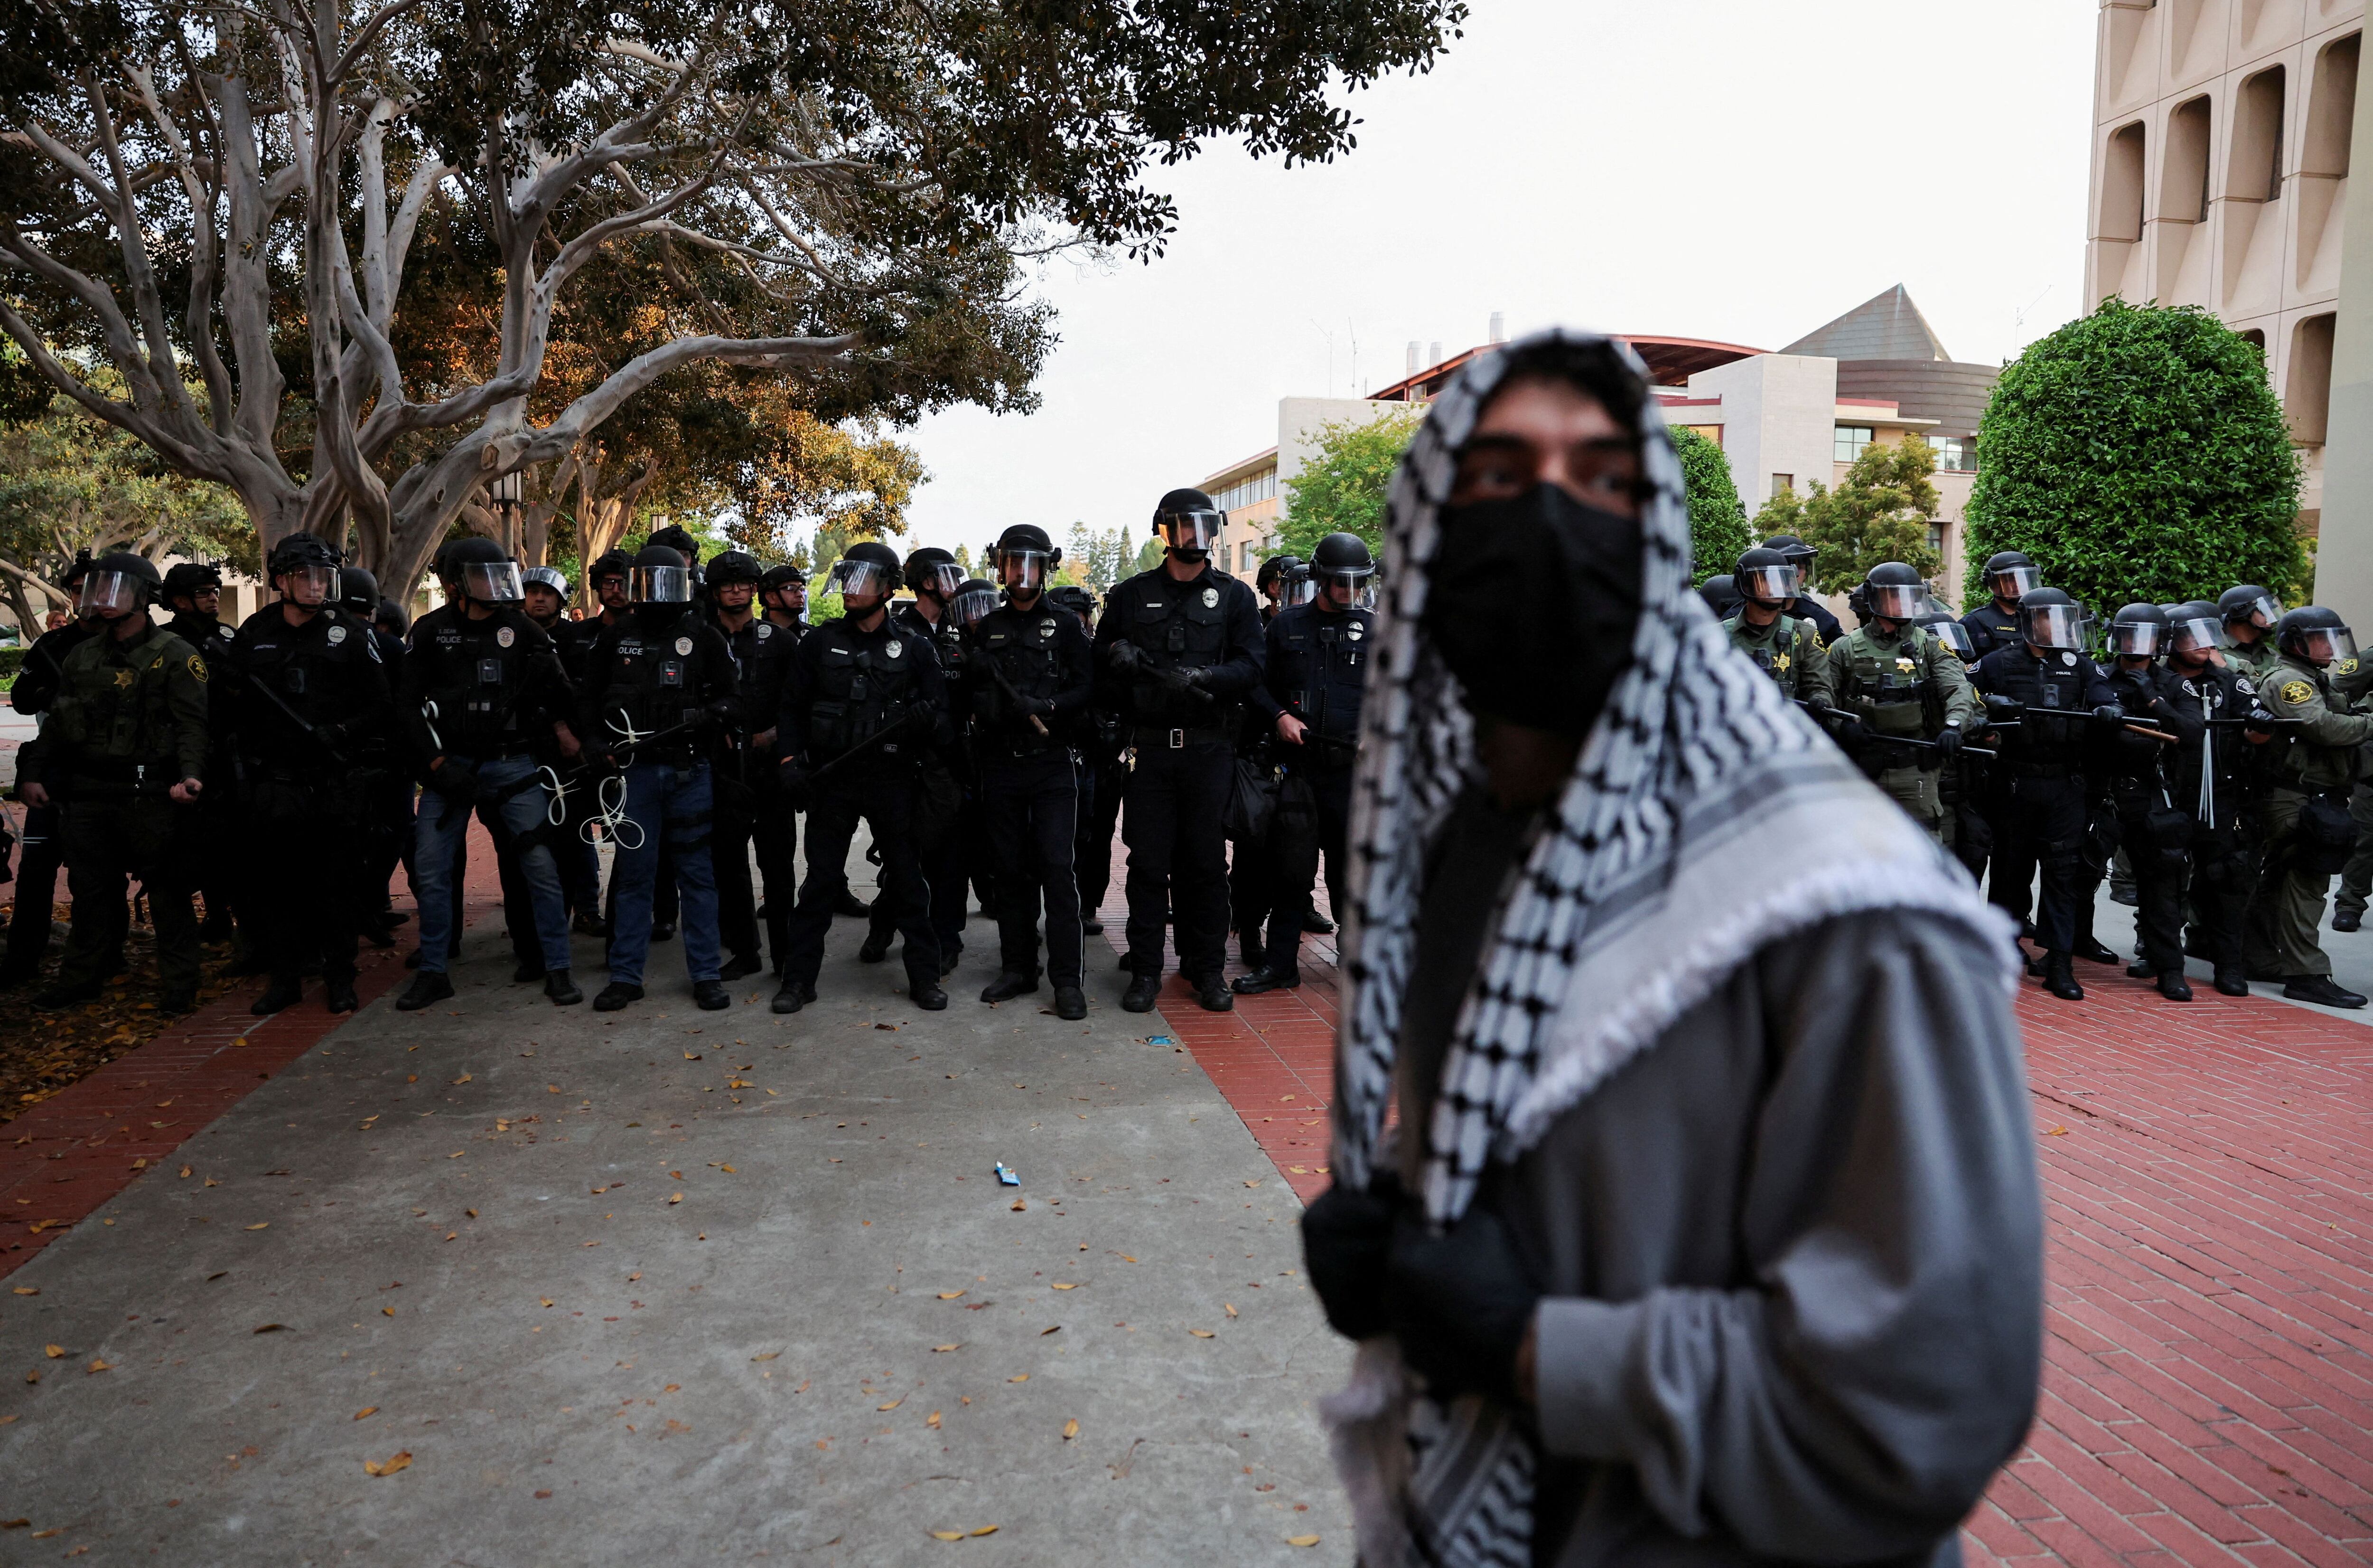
504, 491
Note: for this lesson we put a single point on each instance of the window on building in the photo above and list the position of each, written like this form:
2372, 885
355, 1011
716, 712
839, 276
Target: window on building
1955, 454
1936, 539
1783, 484
1249, 492
1852, 440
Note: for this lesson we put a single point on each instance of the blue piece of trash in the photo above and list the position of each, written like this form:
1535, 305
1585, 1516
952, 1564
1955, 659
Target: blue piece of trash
1161, 1040
1006, 1178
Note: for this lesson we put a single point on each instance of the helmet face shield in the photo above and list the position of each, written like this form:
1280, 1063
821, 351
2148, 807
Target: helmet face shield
2197, 635
492, 583
969, 607
1896, 601
942, 579
1955, 635
2327, 645
2015, 582
2053, 628
865, 579
1023, 571
1296, 590
312, 585
110, 594
2261, 612
2137, 640
1768, 585
1196, 530
660, 585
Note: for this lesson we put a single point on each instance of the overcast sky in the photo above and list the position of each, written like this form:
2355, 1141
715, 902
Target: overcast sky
1737, 170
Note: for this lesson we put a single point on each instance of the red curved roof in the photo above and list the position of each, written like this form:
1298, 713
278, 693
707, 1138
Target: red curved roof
1671, 361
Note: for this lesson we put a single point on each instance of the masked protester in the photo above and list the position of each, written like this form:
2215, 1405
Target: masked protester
1782, 646
659, 685
1181, 646
2304, 823
1648, 1108
42, 852
1909, 693
312, 707
864, 697
482, 686
123, 750
750, 806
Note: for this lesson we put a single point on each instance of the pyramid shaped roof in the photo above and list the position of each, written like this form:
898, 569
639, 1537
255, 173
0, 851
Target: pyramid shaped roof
1888, 327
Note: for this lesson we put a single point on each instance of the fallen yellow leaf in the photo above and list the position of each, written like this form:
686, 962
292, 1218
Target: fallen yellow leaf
1024, 1379
950, 1295
546, 1300
1066, 1285
26, 1290
1071, 1429
986, 1530
1127, 1258
933, 1420
398, 1461
54, 1351
367, 1410
261, 1225
1020, 1206
98, 1365
947, 1535
1231, 1307
185, 1170
729, 1170
941, 1349
890, 1406
677, 1198
1200, 1333
1251, 1184
768, 1356
1301, 1540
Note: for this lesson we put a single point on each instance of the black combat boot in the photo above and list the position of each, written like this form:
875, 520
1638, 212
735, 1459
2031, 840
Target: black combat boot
338, 994
2230, 981
1318, 924
870, 951
739, 966
846, 904
1211, 993
928, 997
1142, 990
1070, 1004
2320, 989
561, 988
793, 997
2174, 986
1009, 985
2346, 920
2094, 951
710, 996
285, 992
2060, 979
427, 987
616, 996
1264, 979
67, 996
528, 969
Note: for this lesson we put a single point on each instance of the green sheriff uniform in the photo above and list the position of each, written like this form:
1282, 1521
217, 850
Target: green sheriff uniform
2255, 662
1790, 651
2353, 678
128, 725
1905, 687
2303, 817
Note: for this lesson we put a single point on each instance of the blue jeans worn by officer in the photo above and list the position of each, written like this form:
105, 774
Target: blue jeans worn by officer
511, 799
675, 805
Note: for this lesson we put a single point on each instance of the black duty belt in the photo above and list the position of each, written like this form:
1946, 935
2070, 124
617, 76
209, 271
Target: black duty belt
1178, 737
2044, 769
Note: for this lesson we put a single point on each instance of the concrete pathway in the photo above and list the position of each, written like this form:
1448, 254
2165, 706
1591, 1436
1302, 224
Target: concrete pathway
502, 1284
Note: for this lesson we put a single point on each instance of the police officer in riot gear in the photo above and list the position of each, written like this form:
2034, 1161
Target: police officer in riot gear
192, 591
123, 750
385, 761
1784, 647
1720, 595
2251, 615
2303, 819
1026, 682
1184, 643
935, 579
659, 684
1314, 671
783, 599
1269, 582
864, 697
43, 851
749, 805
2153, 834
546, 591
2008, 575
312, 699
2207, 778
1804, 607
1909, 696
480, 687
1098, 739
2041, 761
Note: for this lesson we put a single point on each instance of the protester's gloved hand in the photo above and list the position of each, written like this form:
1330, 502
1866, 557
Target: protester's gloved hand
2259, 723
798, 788
1949, 742
1346, 1236
2109, 713
1461, 1303
1125, 657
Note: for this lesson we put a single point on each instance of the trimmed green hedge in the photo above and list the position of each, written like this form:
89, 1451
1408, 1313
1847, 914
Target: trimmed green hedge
2139, 454
1718, 533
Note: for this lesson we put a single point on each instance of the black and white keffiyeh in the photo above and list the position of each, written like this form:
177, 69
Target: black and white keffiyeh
1628, 910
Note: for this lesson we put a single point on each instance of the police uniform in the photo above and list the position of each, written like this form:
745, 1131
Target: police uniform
573, 850
1903, 688
43, 850
126, 723
215, 861
389, 806
1023, 663
846, 688
1804, 607
2304, 823
751, 810
308, 793
1315, 670
1789, 650
1198, 652
670, 676
2153, 833
2040, 763
948, 818
497, 684
1991, 626
2353, 676
2255, 660
2206, 774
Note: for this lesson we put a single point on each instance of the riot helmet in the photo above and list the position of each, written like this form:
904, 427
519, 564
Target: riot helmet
484, 572
784, 588
1188, 524
2138, 631
552, 578
1894, 591
607, 577
2248, 604
1024, 559
933, 571
1938, 622
190, 581
2196, 629
357, 592
2315, 634
2010, 575
1296, 587
536, 581
674, 537
1721, 596
731, 577
119, 583
390, 618
1342, 561
1797, 554
1766, 577
870, 572
2050, 622
1273, 572
973, 599
659, 577
1079, 601
304, 569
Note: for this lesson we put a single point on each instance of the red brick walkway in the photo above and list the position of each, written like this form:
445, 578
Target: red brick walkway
2207, 1391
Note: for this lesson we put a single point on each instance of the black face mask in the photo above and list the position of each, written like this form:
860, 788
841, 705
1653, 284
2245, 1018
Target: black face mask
1533, 603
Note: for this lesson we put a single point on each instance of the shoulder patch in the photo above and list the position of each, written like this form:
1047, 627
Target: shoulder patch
198, 668
2296, 691
2345, 667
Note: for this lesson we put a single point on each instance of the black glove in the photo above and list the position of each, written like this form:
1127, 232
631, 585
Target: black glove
1460, 1302
1346, 1236
2001, 709
713, 715
1949, 742
1852, 733
457, 780
2258, 722
1125, 657
2109, 713
798, 788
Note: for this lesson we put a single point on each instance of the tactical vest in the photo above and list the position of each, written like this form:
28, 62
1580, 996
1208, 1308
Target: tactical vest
1176, 628
1330, 654
1890, 689
1024, 647
1773, 649
309, 667
654, 676
863, 686
477, 678
112, 718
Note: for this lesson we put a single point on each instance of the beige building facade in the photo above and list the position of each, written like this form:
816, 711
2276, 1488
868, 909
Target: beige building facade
2222, 132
